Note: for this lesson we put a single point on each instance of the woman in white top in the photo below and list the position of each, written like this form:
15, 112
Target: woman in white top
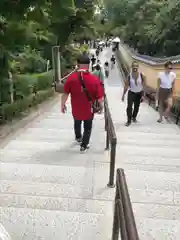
165, 90
135, 83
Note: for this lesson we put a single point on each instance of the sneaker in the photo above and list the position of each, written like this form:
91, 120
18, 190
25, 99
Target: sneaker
159, 120
128, 124
79, 140
83, 149
134, 120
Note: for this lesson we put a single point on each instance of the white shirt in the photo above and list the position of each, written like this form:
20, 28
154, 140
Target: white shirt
106, 68
166, 79
136, 87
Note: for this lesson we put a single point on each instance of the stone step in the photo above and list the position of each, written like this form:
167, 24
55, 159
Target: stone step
4, 235
151, 229
166, 152
148, 142
138, 136
57, 204
157, 129
68, 155
156, 211
47, 173
28, 224
168, 181
85, 190
148, 167
145, 163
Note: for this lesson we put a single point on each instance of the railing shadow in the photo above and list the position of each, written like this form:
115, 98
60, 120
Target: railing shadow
124, 221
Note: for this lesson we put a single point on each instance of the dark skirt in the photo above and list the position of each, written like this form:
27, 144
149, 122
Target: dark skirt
164, 94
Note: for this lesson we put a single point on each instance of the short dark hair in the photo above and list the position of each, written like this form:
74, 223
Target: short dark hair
167, 64
98, 67
83, 59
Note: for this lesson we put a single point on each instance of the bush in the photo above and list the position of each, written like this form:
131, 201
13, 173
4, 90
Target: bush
44, 81
28, 61
23, 85
26, 84
16, 109
4, 91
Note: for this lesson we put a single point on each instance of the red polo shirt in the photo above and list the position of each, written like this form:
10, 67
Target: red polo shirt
81, 107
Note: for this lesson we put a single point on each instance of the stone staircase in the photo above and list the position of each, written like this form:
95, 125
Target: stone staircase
48, 190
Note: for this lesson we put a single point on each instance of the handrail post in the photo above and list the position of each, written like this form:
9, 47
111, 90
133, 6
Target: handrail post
112, 163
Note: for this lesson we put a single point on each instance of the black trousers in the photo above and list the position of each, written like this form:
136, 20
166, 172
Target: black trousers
133, 99
87, 130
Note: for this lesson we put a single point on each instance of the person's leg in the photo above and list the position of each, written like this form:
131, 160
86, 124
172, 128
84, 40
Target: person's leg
137, 101
77, 129
130, 101
169, 106
87, 133
161, 110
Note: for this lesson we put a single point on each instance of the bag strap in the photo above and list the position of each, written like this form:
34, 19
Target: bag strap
80, 77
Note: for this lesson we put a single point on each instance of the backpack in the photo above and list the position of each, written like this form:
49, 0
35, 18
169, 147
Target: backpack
142, 78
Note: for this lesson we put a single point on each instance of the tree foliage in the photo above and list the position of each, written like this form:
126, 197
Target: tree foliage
29, 28
151, 26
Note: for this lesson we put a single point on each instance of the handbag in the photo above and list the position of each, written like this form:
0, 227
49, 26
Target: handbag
96, 107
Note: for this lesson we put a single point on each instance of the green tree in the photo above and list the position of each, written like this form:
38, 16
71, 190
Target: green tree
150, 26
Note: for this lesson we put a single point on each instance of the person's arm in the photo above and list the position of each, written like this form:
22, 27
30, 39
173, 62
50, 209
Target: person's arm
173, 87
158, 87
64, 98
144, 84
126, 86
65, 95
99, 92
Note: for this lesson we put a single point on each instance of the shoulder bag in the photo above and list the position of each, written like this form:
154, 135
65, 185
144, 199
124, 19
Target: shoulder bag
94, 104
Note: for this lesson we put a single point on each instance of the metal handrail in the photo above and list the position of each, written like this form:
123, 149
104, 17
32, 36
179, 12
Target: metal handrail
124, 221
149, 91
111, 141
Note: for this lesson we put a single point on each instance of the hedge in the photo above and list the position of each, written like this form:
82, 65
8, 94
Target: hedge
19, 107
26, 84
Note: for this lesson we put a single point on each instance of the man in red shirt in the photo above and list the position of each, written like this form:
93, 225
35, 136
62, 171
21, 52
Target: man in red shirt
81, 106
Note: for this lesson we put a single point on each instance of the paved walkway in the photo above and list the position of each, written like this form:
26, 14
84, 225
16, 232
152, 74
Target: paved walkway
48, 190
